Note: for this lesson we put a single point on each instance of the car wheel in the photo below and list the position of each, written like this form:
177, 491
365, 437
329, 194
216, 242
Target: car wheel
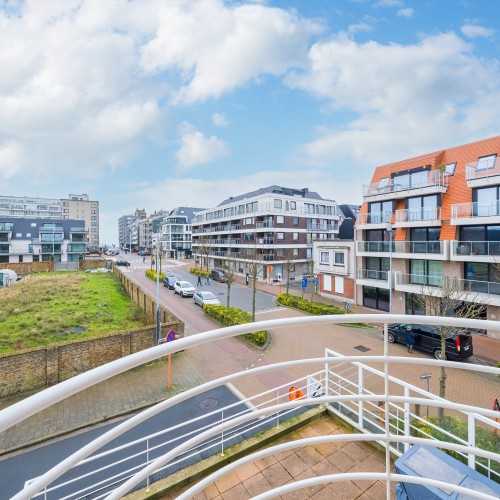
391, 338
437, 354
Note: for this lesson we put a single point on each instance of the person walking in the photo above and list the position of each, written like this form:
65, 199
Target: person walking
208, 280
247, 278
410, 339
199, 283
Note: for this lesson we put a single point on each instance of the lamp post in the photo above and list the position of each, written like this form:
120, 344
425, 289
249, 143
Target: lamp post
427, 376
158, 312
390, 231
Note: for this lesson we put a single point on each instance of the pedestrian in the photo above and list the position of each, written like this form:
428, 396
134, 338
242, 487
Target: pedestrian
144, 259
208, 280
410, 339
247, 278
199, 283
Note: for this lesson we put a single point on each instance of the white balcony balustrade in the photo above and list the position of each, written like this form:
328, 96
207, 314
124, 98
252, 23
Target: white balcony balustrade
483, 173
418, 217
476, 213
477, 251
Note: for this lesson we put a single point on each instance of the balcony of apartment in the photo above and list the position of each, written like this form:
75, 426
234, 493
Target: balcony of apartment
6, 231
393, 189
348, 416
430, 250
476, 213
420, 217
476, 251
76, 248
78, 230
423, 284
16, 251
264, 241
376, 220
321, 237
369, 277
485, 172
264, 224
483, 292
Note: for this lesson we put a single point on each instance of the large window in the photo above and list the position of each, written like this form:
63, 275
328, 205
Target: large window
422, 207
425, 239
379, 212
376, 298
339, 258
479, 240
482, 277
415, 304
486, 201
377, 268
426, 272
416, 178
324, 257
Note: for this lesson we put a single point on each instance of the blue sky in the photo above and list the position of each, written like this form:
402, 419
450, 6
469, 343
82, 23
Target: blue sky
160, 103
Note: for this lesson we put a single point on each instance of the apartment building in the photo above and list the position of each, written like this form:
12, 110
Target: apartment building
266, 228
39, 240
81, 207
432, 223
176, 232
30, 207
147, 228
128, 229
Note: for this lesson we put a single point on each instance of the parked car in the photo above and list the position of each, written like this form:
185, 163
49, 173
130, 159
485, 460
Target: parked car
218, 275
184, 288
202, 298
122, 263
428, 339
169, 281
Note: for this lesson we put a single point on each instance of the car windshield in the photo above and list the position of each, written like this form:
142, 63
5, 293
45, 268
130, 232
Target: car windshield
208, 295
184, 284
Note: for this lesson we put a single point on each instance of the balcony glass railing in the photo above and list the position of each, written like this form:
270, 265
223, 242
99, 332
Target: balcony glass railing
476, 248
478, 286
481, 169
419, 214
370, 274
6, 226
375, 218
435, 178
419, 279
267, 223
375, 246
475, 209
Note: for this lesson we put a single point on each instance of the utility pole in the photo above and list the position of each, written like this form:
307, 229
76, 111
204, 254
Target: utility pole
158, 312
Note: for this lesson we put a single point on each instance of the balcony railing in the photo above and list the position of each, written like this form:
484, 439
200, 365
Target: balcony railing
477, 286
350, 388
322, 227
476, 248
475, 210
419, 279
370, 274
434, 179
375, 218
420, 214
483, 169
78, 230
263, 224
375, 246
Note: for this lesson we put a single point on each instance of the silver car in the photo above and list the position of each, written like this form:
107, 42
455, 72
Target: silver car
202, 298
184, 288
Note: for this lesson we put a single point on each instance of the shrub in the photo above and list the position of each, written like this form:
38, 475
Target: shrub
199, 272
233, 316
151, 273
316, 308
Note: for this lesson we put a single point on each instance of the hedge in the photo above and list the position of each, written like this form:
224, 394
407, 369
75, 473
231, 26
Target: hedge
150, 273
233, 316
199, 272
316, 308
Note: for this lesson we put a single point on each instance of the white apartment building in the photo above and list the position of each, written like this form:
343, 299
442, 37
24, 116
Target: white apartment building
176, 232
80, 207
266, 228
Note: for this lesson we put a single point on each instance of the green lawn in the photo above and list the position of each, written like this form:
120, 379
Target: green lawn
51, 308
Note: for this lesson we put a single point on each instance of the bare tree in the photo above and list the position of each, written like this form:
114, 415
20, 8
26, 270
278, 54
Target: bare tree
288, 264
230, 274
255, 268
203, 249
451, 298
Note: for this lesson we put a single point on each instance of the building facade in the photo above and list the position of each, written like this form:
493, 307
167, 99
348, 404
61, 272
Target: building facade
40, 240
128, 230
176, 232
429, 224
80, 207
146, 229
268, 230
27, 207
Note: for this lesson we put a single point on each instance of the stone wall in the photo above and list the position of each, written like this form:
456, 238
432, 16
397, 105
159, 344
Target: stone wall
41, 367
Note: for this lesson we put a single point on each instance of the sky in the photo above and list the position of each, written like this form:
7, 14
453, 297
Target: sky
155, 104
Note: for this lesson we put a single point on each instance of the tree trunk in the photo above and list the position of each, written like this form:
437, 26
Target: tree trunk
228, 295
442, 379
253, 297
287, 280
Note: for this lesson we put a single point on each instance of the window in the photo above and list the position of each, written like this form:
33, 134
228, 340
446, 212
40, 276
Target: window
280, 219
280, 236
278, 203
295, 236
65, 210
425, 240
296, 252
377, 268
422, 208
380, 212
486, 201
327, 283
486, 162
376, 298
293, 205
449, 169
383, 183
423, 272
482, 277
414, 304
295, 221
479, 240
248, 221
411, 179
339, 284
339, 258
324, 257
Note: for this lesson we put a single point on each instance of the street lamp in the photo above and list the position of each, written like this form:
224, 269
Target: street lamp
158, 312
427, 376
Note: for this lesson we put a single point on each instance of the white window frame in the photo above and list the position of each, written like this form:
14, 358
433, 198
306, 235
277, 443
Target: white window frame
335, 259
280, 219
280, 236
324, 257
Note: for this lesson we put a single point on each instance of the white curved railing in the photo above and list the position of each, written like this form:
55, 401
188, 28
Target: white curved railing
36, 403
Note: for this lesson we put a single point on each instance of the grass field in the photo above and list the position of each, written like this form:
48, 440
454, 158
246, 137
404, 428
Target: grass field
51, 308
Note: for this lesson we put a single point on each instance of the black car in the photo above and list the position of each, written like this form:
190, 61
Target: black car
169, 281
122, 263
218, 275
427, 338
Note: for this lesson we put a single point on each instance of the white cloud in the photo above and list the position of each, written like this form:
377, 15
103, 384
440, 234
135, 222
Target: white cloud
389, 3
197, 149
421, 96
476, 31
219, 120
407, 12
216, 49
10, 159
